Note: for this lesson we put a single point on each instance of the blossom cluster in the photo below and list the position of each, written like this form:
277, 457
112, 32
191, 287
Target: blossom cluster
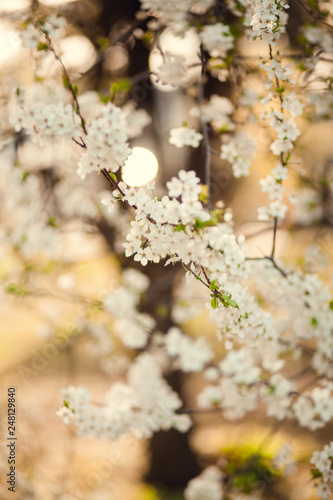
129, 325
150, 236
192, 355
207, 485
287, 133
44, 115
216, 111
322, 460
31, 35
172, 70
239, 151
144, 405
106, 143
185, 136
175, 14
268, 19
217, 39
297, 314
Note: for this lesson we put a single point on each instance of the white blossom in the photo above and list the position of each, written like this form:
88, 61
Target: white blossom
185, 136
217, 39
30, 36
193, 354
208, 485
172, 70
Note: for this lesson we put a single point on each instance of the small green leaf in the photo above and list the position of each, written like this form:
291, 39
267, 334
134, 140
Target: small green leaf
123, 85
314, 321
103, 43
228, 301
315, 473
66, 82
214, 302
113, 177
17, 290
224, 128
199, 224
180, 227
52, 222
42, 46
213, 285
204, 194
233, 303
301, 66
75, 89
104, 98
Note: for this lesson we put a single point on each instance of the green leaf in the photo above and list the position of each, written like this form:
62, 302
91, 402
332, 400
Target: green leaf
66, 82
52, 222
314, 321
224, 128
228, 301
246, 482
148, 37
42, 46
213, 285
301, 66
104, 98
113, 177
103, 43
75, 89
123, 85
315, 473
204, 194
17, 290
180, 227
233, 303
331, 305
162, 311
199, 224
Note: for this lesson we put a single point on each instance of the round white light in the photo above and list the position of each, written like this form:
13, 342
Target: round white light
140, 167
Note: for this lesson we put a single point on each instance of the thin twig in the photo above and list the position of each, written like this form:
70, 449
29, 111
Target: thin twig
317, 17
274, 237
272, 260
204, 127
70, 86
